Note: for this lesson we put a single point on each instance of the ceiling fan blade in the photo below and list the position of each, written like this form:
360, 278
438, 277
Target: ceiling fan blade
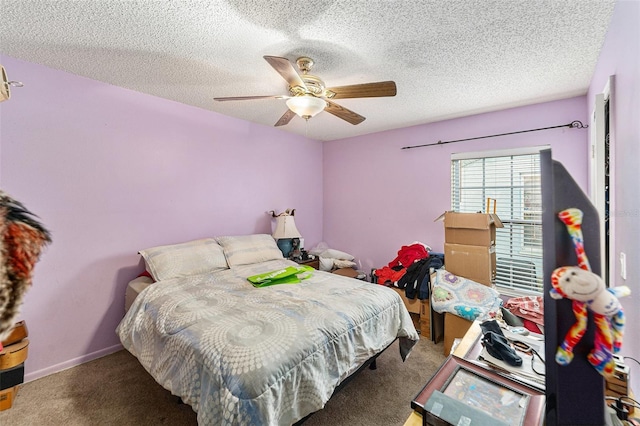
342, 112
365, 90
285, 119
244, 98
286, 70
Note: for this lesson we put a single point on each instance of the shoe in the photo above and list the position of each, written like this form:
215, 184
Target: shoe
510, 318
498, 347
491, 325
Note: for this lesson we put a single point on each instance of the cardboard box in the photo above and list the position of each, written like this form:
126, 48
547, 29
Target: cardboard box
425, 319
413, 305
477, 263
415, 318
455, 327
474, 229
420, 311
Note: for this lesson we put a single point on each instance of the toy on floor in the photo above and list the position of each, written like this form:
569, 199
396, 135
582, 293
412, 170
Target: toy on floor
588, 292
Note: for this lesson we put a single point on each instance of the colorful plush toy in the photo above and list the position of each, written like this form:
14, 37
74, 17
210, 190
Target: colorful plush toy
588, 292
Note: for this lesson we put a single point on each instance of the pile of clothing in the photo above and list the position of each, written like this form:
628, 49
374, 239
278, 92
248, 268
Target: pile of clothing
529, 312
410, 270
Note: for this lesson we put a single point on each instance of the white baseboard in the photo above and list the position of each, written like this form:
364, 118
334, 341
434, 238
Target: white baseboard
71, 363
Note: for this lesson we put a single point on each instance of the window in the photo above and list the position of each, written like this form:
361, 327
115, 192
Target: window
512, 178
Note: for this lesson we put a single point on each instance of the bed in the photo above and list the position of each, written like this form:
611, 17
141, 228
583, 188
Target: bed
244, 355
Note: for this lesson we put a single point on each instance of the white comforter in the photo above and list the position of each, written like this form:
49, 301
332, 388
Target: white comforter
260, 356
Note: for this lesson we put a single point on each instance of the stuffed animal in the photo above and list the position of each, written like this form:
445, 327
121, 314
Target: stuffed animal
588, 293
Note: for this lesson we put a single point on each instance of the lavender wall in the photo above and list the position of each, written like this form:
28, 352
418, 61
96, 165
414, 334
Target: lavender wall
378, 197
110, 171
620, 56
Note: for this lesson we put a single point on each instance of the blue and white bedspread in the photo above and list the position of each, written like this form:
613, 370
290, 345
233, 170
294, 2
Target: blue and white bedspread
241, 355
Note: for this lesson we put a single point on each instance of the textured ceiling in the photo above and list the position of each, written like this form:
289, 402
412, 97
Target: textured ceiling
449, 58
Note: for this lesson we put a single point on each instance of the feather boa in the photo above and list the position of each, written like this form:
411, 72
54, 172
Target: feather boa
22, 239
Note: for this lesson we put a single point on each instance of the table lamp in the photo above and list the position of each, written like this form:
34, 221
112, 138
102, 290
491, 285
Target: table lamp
285, 231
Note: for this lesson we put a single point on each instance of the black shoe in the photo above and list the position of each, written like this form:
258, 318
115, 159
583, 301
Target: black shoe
491, 325
511, 319
498, 347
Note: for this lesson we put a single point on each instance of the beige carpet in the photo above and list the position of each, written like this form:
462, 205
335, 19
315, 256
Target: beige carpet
116, 390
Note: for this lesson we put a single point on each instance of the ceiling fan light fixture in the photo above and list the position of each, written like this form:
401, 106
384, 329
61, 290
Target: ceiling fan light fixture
308, 94
306, 106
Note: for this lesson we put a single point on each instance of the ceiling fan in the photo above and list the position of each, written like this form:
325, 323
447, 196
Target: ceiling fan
308, 95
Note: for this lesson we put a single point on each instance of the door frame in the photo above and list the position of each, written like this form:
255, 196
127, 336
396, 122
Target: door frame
597, 171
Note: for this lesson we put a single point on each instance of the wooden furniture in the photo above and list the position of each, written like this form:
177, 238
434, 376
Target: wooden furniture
18, 332
346, 272
314, 263
12, 357
414, 419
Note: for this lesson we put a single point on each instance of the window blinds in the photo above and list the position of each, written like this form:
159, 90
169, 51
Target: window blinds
513, 180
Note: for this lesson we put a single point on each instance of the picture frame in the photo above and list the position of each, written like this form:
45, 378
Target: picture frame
478, 392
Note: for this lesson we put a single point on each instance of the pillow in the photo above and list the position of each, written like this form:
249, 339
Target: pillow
248, 249
339, 263
336, 254
463, 297
325, 264
185, 259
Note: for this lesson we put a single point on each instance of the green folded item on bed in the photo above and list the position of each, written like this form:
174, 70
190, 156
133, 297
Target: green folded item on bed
288, 275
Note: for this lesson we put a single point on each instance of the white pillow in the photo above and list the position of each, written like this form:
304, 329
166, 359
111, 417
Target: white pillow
325, 264
248, 249
185, 259
339, 263
336, 254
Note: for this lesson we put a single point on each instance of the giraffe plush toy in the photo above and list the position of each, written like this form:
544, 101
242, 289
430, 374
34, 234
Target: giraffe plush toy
588, 293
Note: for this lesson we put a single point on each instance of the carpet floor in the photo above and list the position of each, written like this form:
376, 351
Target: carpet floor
116, 390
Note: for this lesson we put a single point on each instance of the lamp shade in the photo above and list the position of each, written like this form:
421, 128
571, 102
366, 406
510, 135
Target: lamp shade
306, 106
285, 227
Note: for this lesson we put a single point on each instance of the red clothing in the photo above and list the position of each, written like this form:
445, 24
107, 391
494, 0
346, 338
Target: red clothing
531, 326
409, 254
527, 307
386, 274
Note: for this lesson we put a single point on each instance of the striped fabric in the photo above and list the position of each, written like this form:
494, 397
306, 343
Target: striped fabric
185, 259
249, 249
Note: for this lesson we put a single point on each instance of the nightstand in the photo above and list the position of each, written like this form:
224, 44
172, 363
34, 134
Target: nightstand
347, 272
314, 263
